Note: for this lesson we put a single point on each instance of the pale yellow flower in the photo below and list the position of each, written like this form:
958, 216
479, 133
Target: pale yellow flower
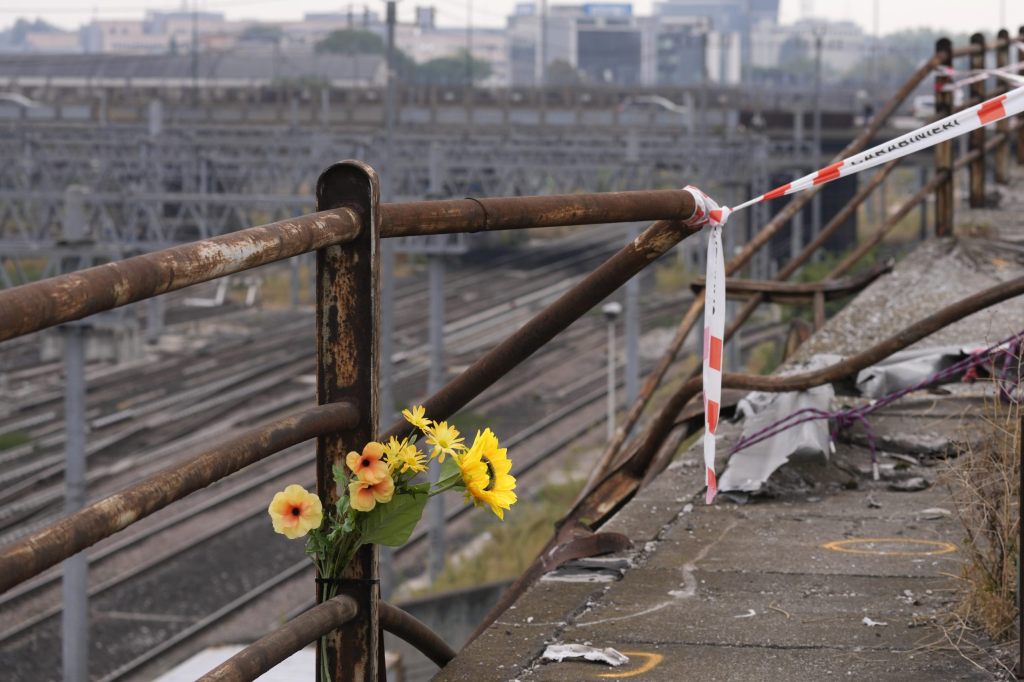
368, 467
416, 417
403, 456
294, 512
445, 440
363, 497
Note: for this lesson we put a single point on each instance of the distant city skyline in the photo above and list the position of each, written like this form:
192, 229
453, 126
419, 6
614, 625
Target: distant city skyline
952, 17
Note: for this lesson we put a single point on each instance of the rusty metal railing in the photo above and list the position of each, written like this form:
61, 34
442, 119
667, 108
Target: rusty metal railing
346, 233
72, 534
39, 305
306, 628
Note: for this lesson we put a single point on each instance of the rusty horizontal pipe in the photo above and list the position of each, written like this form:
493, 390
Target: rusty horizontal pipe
410, 629
972, 49
509, 213
652, 243
798, 292
269, 650
71, 534
38, 305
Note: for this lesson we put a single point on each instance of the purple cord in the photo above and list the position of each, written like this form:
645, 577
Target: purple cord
1007, 378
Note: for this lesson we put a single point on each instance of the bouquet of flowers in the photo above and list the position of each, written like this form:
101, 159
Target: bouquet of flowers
383, 497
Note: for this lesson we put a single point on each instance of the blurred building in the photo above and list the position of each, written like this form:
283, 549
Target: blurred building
843, 44
602, 42
679, 47
730, 25
684, 42
157, 33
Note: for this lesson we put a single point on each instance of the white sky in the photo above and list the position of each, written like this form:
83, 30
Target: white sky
951, 15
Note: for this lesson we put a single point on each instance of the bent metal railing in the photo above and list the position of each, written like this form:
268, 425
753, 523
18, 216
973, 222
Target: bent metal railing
345, 233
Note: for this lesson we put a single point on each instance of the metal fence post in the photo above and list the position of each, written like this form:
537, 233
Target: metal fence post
347, 318
435, 381
75, 585
1002, 152
976, 138
944, 150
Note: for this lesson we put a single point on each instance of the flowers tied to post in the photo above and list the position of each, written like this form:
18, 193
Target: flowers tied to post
382, 492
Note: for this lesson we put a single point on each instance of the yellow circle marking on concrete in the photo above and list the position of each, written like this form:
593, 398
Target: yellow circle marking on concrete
650, 660
850, 546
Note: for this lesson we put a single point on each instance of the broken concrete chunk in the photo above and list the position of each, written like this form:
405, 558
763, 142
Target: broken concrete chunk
560, 652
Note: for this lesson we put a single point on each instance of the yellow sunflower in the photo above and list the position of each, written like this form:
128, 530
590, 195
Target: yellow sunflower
485, 470
444, 439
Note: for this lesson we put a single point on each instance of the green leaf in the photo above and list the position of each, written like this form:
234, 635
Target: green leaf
450, 476
341, 506
391, 524
419, 488
340, 477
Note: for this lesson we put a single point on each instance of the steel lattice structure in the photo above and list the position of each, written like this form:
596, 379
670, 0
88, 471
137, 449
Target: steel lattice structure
147, 188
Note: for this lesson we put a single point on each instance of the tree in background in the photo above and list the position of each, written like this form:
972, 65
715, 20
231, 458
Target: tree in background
897, 56
15, 35
452, 70
350, 41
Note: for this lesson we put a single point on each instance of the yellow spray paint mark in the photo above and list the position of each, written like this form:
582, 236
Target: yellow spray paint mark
650, 661
864, 546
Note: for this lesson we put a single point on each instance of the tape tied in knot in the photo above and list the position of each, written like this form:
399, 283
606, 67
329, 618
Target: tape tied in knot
706, 210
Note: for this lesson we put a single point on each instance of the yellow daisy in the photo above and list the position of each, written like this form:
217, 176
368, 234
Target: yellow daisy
416, 417
403, 456
444, 439
485, 470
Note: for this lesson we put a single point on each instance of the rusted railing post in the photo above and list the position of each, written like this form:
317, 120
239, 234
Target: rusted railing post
976, 138
1001, 159
347, 315
944, 150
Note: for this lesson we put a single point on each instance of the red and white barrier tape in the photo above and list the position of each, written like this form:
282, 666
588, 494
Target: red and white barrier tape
974, 77
708, 212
